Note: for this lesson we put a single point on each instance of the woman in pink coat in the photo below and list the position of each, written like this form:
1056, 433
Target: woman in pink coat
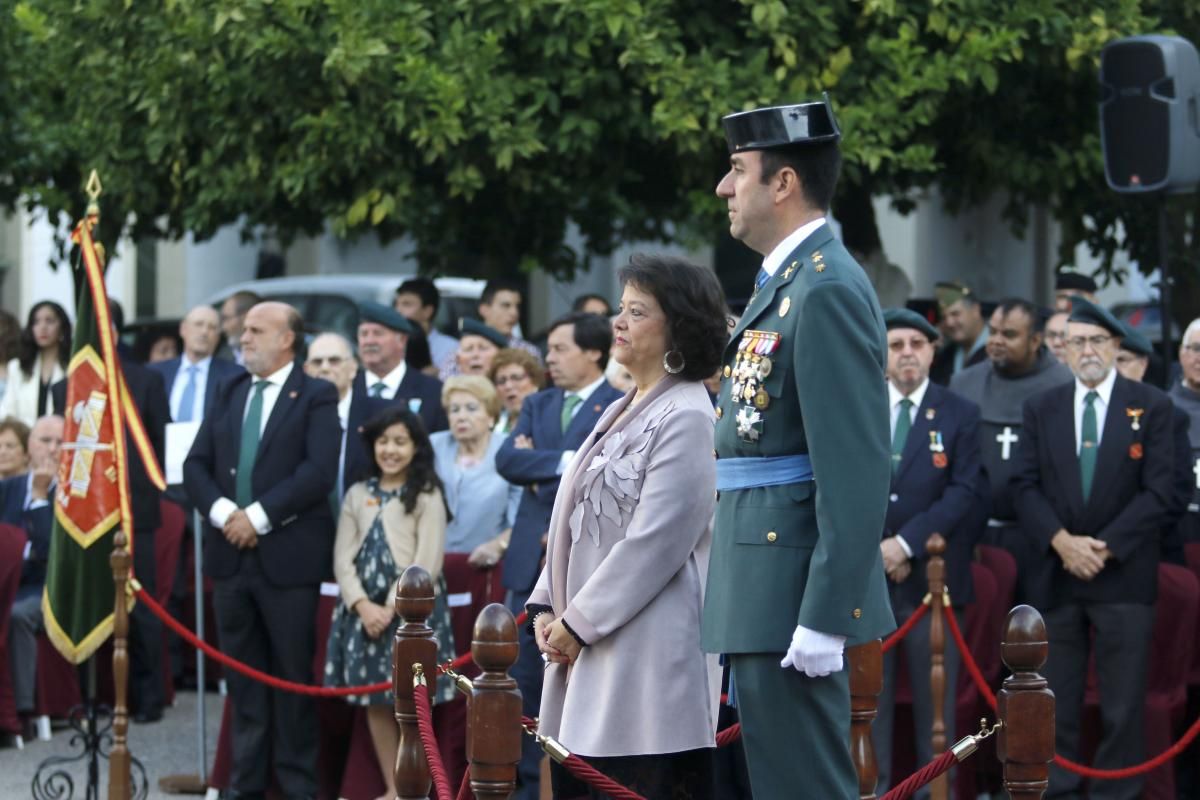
616, 610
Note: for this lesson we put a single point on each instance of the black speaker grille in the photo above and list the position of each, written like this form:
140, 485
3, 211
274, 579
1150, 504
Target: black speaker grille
1136, 125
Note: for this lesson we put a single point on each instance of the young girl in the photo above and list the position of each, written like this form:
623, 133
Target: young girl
395, 518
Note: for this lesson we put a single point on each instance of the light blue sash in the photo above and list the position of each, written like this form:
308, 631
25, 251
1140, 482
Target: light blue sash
752, 473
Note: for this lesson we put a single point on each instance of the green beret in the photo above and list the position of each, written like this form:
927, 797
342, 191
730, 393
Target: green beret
950, 292
370, 311
907, 318
1084, 310
1134, 342
473, 327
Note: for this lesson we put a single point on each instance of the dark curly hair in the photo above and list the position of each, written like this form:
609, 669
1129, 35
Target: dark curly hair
422, 476
694, 305
28, 350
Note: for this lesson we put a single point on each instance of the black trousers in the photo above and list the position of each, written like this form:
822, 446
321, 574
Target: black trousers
1121, 634
527, 672
271, 629
687, 775
145, 634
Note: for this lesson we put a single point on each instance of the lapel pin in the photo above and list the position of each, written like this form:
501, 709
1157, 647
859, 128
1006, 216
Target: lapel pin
940, 461
930, 413
293, 394
597, 408
1135, 451
785, 306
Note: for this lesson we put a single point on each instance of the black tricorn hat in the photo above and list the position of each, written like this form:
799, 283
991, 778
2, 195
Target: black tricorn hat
781, 126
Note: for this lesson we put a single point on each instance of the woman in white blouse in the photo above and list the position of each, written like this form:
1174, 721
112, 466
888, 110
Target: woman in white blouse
41, 362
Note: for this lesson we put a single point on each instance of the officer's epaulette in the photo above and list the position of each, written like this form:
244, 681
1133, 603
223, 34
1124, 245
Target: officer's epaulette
817, 261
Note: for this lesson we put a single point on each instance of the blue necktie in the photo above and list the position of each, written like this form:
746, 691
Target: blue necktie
187, 403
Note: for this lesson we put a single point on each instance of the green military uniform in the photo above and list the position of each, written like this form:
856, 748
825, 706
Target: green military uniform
804, 374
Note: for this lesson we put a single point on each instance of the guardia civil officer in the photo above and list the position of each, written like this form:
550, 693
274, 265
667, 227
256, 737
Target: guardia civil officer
803, 462
936, 484
1093, 488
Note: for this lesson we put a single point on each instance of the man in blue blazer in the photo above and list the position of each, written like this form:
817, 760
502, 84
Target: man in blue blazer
25, 502
936, 486
553, 424
193, 379
385, 378
261, 470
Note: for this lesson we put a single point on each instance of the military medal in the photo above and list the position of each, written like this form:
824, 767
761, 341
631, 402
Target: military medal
935, 442
1135, 451
752, 365
749, 424
1135, 414
761, 400
940, 461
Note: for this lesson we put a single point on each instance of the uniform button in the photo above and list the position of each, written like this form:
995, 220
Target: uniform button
720, 411
233, 471
893, 497
857, 613
771, 536
728, 371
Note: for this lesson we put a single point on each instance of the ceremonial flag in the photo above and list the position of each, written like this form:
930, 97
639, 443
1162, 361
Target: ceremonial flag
92, 497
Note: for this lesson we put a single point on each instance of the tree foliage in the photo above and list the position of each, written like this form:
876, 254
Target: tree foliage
482, 127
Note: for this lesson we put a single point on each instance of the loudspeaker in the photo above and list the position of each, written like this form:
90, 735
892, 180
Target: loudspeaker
1150, 114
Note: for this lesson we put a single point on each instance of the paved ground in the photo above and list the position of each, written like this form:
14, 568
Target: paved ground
168, 747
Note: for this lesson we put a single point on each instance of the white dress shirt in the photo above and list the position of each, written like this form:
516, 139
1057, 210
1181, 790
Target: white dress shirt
223, 508
774, 259
391, 381
583, 395
894, 398
1104, 390
180, 384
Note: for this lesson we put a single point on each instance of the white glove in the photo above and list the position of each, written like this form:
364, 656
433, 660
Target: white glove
814, 653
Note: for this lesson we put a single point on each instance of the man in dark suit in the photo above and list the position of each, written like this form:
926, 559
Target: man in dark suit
553, 424
261, 469
192, 380
382, 338
966, 328
936, 480
1095, 482
25, 503
145, 631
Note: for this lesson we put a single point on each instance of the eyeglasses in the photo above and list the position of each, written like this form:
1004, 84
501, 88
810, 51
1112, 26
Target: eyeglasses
503, 379
1055, 336
1194, 349
333, 361
1097, 341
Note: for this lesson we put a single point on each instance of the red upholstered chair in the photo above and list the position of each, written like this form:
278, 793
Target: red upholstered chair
1171, 658
168, 540
1192, 553
57, 689
12, 557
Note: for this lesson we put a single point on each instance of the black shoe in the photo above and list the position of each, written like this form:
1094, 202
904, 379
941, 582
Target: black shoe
145, 717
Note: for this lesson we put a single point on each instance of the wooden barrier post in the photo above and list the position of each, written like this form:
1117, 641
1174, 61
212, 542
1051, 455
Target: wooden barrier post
865, 662
494, 728
935, 573
414, 643
1025, 705
119, 760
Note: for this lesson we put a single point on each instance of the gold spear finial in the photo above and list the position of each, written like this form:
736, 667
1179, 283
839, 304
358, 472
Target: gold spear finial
94, 188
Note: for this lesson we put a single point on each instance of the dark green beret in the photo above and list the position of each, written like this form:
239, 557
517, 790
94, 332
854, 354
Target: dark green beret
1084, 310
1134, 342
907, 318
781, 126
473, 327
370, 311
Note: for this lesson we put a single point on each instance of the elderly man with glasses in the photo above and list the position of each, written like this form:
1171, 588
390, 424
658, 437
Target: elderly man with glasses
1094, 486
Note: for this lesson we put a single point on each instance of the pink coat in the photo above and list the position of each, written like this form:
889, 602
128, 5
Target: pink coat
627, 558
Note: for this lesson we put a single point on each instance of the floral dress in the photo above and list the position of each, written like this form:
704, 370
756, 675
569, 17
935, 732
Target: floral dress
355, 659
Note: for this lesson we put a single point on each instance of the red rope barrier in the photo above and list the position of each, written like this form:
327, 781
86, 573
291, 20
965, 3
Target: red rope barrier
921, 777
1066, 763
184, 633
589, 774
434, 756
729, 735
904, 629
464, 788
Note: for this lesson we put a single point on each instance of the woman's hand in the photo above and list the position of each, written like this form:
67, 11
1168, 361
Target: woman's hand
560, 639
488, 554
541, 627
375, 618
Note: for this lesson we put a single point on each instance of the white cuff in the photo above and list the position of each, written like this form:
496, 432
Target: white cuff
221, 511
258, 518
903, 545
564, 461
37, 504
